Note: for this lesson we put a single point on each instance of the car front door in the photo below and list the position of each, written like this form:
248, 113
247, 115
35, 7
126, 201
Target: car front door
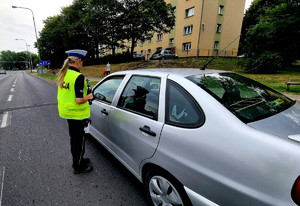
101, 106
134, 126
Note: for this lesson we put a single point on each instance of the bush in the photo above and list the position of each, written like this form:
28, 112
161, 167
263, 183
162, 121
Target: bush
243, 62
265, 63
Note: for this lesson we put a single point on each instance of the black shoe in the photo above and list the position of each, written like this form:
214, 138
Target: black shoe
82, 169
84, 161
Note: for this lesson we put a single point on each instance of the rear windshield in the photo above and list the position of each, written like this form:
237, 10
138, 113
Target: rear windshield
247, 99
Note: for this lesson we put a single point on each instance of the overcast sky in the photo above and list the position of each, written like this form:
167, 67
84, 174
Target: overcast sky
18, 23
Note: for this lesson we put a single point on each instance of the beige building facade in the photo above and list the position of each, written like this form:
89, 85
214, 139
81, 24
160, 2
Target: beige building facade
202, 28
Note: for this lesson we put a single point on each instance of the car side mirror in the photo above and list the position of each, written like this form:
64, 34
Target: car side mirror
99, 96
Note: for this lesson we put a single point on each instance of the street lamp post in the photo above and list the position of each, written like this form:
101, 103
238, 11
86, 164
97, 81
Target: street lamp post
29, 62
200, 27
37, 42
29, 59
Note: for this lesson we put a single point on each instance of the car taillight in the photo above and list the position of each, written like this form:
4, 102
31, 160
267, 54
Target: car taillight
296, 191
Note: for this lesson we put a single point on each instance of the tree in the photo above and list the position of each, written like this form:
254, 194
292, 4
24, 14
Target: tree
63, 32
16, 60
52, 40
104, 24
143, 18
252, 17
274, 39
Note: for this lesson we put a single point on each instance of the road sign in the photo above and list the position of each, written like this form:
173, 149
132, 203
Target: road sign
45, 62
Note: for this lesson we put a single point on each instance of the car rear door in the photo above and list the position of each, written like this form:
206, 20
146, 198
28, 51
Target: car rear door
134, 126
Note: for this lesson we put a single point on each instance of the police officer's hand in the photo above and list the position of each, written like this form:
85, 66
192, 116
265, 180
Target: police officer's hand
84, 99
90, 96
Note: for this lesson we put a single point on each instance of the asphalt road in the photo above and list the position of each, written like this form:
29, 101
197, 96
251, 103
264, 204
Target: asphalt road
35, 158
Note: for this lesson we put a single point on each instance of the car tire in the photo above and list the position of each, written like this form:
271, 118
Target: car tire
163, 189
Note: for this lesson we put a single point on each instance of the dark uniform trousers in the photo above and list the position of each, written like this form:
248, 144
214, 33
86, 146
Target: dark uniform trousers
77, 141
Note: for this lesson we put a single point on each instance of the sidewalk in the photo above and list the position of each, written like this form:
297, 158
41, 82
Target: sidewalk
293, 96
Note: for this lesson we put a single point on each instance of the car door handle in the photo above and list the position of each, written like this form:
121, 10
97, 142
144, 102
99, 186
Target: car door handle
147, 130
103, 111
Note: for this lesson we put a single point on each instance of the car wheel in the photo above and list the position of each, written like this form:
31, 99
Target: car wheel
162, 189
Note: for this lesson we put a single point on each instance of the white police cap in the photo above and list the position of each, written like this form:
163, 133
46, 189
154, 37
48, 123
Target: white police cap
76, 53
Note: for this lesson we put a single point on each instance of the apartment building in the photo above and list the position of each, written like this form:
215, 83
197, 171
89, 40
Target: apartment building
202, 28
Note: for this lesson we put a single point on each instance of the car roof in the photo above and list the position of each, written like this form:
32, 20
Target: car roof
174, 71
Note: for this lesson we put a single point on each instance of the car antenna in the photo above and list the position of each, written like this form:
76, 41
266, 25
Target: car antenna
205, 65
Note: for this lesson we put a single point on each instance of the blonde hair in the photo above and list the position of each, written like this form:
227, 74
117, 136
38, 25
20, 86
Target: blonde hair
62, 72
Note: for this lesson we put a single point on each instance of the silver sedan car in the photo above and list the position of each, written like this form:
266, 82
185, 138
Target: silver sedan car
195, 137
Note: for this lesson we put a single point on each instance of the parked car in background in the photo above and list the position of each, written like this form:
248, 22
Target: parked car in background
2, 70
163, 54
201, 137
138, 56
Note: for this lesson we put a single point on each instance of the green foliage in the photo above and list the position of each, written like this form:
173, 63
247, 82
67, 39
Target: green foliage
271, 26
266, 62
63, 32
17, 59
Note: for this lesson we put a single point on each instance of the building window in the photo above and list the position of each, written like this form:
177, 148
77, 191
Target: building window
219, 28
221, 10
189, 12
159, 37
188, 29
171, 41
216, 45
158, 48
142, 51
149, 51
174, 10
186, 46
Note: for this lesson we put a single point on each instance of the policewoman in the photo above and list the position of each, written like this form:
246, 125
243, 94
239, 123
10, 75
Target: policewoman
73, 105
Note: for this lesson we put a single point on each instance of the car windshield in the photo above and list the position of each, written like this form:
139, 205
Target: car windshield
247, 99
157, 52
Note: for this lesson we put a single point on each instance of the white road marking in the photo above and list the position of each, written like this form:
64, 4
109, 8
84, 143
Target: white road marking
12, 89
2, 183
9, 98
13, 85
5, 120
20, 154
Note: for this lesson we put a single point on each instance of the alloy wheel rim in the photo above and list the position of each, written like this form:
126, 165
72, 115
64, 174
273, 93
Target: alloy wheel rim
163, 193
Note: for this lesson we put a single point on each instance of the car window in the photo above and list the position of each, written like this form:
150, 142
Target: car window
181, 109
141, 95
247, 99
107, 89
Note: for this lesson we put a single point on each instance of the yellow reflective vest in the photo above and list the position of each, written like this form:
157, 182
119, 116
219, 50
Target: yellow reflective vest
66, 99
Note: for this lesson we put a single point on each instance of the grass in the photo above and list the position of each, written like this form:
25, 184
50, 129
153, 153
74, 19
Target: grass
48, 76
276, 81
